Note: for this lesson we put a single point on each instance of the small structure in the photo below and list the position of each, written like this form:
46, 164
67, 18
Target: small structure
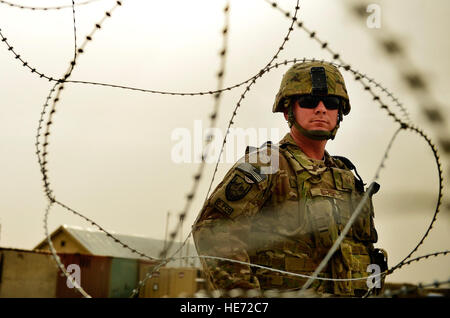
27, 274
172, 282
104, 267
72, 239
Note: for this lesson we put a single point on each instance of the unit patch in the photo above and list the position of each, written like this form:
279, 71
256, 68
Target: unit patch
223, 207
237, 188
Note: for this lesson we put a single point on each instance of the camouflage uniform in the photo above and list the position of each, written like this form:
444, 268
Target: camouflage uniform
287, 220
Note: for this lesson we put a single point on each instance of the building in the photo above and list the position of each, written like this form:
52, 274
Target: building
73, 239
27, 274
105, 268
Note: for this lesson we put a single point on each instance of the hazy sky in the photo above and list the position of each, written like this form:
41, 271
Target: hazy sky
110, 152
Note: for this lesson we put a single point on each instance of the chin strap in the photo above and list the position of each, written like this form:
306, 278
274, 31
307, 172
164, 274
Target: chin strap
313, 134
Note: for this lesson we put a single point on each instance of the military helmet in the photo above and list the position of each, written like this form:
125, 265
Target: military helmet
299, 80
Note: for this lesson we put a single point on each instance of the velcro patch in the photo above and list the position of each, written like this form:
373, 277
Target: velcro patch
237, 188
348, 180
223, 207
331, 193
251, 172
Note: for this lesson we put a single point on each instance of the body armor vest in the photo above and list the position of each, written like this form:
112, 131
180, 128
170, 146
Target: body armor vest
297, 226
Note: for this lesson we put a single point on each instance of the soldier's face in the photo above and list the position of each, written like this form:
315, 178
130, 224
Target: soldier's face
318, 118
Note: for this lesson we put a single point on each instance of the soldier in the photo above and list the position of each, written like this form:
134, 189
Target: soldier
288, 218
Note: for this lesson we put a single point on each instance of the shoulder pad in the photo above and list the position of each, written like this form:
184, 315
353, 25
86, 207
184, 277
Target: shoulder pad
251, 171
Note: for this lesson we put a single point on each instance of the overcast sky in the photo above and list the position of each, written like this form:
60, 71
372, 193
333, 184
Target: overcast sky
111, 150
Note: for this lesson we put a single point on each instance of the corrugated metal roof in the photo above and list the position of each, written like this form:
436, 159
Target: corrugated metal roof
99, 244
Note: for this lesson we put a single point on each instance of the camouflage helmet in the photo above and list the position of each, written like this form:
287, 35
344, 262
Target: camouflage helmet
298, 81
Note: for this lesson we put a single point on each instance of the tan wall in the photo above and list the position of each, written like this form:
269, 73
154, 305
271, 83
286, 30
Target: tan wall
156, 286
70, 245
169, 282
27, 274
182, 282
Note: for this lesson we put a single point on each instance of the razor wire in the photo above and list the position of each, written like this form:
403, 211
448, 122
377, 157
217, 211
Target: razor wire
43, 161
273, 293
57, 259
197, 176
181, 217
209, 138
213, 117
42, 157
300, 24
405, 289
414, 81
59, 86
313, 35
403, 125
324, 45
416, 259
201, 93
413, 78
15, 5
252, 293
68, 73
376, 98
440, 175
439, 168
52, 200
391, 142
344, 232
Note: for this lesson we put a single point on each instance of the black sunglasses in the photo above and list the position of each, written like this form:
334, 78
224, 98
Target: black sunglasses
309, 101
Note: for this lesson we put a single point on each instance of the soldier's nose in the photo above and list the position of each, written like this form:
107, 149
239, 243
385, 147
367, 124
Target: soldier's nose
320, 107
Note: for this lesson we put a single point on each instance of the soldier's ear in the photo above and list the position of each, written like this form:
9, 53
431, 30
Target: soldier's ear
285, 112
